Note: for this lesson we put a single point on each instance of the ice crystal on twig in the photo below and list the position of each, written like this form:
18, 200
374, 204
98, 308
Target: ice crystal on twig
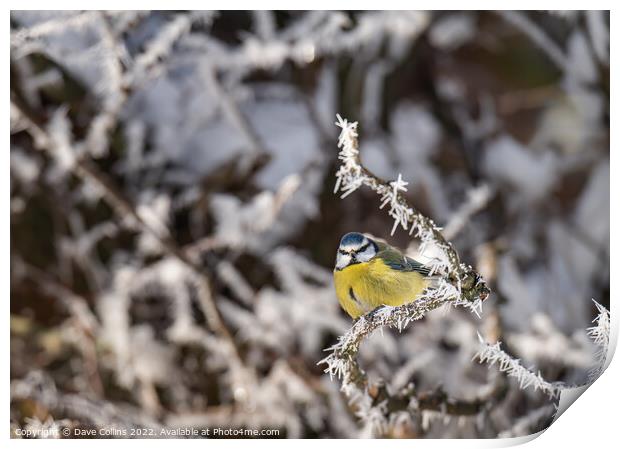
600, 336
493, 354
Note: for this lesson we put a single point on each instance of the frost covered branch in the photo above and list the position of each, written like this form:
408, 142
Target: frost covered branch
459, 285
376, 402
342, 361
538, 36
492, 354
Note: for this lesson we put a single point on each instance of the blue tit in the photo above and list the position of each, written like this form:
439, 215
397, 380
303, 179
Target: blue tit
371, 273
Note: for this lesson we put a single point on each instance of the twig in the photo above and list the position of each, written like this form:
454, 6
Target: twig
492, 354
342, 361
234, 115
477, 198
537, 35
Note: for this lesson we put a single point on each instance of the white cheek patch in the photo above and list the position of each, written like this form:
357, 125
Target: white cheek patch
342, 260
367, 254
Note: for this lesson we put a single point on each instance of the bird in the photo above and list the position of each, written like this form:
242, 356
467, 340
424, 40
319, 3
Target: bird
370, 273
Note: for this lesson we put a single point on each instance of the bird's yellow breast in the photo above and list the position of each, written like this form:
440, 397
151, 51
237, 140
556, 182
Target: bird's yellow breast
364, 286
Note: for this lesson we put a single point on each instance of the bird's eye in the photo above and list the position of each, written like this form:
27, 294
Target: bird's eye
363, 248
341, 252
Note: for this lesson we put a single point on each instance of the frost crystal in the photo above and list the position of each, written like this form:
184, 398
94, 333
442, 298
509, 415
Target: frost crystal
600, 336
493, 354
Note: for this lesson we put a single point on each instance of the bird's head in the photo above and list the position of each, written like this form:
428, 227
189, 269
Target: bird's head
355, 248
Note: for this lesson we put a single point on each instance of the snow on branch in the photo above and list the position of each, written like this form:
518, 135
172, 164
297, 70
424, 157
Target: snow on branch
376, 405
459, 285
492, 354
600, 336
342, 360
538, 36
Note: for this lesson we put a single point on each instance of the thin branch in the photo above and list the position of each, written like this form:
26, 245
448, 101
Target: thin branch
492, 354
538, 36
477, 198
342, 362
233, 113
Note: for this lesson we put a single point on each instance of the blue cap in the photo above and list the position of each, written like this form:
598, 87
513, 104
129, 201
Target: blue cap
352, 239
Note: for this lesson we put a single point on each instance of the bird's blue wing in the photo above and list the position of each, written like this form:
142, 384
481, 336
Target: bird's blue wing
397, 261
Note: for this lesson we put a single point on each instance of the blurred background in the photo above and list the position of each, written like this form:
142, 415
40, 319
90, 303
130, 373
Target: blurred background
174, 227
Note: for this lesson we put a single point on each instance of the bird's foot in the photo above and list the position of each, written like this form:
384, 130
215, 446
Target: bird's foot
371, 315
